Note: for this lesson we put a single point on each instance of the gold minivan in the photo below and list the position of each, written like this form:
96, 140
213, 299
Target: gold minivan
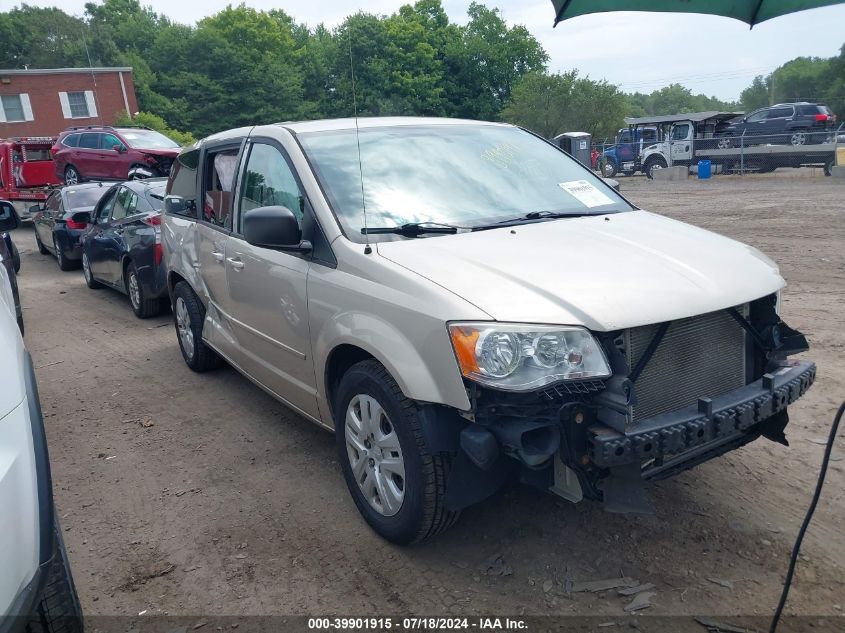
462, 304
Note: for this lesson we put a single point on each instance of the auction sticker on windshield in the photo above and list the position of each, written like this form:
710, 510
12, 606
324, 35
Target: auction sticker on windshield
585, 193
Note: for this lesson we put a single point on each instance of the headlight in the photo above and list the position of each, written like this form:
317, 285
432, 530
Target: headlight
524, 357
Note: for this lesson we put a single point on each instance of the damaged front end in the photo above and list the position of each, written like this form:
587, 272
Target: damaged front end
680, 393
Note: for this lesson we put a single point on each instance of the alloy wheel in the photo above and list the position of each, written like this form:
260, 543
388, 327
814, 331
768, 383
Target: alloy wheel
724, 143
183, 326
86, 269
59, 255
798, 138
375, 455
71, 176
134, 291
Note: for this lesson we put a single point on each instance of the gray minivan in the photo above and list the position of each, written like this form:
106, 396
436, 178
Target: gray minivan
462, 304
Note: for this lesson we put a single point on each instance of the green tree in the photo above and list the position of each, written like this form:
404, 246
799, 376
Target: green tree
756, 95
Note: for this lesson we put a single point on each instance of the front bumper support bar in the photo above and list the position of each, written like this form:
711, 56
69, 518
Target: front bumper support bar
725, 421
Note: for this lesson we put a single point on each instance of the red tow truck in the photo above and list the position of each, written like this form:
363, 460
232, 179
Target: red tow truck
27, 172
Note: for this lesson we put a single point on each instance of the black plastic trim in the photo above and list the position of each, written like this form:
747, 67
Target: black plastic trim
42, 464
714, 421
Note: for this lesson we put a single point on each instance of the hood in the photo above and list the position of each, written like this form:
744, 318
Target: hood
167, 153
602, 272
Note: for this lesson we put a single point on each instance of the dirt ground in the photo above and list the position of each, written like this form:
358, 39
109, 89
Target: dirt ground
187, 494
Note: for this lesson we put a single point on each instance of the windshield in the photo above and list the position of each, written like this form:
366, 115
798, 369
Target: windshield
464, 175
147, 139
84, 197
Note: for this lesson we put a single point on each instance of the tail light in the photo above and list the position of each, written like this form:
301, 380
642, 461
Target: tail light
54, 150
823, 117
155, 222
73, 224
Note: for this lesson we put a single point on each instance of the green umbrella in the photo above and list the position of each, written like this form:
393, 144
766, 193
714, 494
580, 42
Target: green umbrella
749, 11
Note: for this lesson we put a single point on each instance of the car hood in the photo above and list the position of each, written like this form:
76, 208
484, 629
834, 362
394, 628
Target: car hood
168, 153
604, 272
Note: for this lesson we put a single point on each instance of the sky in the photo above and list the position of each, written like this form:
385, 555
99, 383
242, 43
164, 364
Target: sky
636, 51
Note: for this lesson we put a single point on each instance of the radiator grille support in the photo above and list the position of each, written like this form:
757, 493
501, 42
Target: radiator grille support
698, 356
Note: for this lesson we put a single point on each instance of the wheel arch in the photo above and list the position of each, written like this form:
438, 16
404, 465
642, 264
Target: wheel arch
431, 377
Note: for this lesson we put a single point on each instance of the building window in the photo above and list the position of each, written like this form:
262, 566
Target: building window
78, 105
15, 108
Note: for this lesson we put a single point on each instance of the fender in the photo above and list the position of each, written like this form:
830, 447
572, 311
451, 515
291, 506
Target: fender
426, 373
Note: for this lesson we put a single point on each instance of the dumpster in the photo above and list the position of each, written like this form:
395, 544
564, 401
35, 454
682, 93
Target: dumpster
703, 169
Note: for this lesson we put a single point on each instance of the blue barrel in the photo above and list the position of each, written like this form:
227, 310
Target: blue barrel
703, 169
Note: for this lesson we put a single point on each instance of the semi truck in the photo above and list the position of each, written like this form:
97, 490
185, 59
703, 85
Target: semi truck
686, 139
621, 157
27, 172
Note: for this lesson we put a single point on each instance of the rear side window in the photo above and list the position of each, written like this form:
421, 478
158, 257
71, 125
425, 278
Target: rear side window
89, 141
183, 180
218, 184
125, 204
780, 113
71, 140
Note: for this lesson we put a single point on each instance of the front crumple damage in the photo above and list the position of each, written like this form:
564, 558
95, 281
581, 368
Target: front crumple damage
585, 439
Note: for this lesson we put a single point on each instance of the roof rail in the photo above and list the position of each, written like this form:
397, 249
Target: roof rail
105, 127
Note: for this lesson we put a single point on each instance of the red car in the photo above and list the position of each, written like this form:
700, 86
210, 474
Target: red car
112, 153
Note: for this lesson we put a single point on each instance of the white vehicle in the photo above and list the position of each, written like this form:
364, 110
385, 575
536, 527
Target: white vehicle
689, 138
36, 588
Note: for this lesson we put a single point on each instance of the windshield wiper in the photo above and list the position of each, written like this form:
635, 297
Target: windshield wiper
531, 216
412, 229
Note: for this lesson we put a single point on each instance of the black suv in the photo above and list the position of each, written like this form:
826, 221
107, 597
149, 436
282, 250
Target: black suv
782, 124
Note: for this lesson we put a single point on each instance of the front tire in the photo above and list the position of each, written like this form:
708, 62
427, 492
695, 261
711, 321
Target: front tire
89, 276
72, 175
609, 170
16, 258
189, 316
653, 165
41, 248
397, 484
58, 608
143, 307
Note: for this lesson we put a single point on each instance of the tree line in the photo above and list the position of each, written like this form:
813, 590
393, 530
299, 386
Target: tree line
242, 66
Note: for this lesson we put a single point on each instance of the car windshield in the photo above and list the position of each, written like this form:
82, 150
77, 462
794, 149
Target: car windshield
147, 139
83, 197
459, 174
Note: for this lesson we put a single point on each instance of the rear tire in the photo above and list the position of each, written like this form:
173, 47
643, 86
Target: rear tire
188, 317
143, 307
64, 262
72, 175
377, 426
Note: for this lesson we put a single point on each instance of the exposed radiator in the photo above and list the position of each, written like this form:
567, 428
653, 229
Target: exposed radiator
699, 356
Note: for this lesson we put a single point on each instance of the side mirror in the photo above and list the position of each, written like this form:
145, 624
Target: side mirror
274, 227
36, 208
118, 148
8, 216
175, 204
81, 217
610, 182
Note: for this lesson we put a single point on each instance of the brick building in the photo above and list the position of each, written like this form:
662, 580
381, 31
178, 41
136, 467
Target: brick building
43, 102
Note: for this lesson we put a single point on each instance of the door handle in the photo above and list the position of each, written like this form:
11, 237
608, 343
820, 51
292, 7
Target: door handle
236, 263
218, 256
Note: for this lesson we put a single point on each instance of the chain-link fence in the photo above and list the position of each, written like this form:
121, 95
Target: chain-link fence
646, 150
